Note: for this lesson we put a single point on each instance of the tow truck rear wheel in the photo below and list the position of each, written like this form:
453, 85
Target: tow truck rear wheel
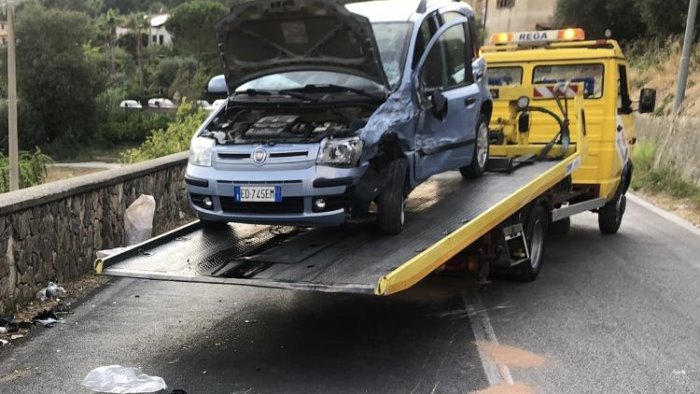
535, 234
391, 203
610, 215
480, 158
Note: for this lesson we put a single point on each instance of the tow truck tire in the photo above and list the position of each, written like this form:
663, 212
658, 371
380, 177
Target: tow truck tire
480, 158
610, 215
535, 234
560, 227
391, 203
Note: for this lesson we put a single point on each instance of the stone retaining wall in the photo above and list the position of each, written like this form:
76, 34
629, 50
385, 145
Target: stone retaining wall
52, 231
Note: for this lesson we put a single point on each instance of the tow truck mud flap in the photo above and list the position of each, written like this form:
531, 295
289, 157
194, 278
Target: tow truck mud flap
443, 215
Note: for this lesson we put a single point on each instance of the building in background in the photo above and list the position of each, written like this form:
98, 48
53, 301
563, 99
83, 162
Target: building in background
3, 32
515, 15
157, 34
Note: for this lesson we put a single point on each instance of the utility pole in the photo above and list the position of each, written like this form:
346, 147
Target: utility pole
12, 97
685, 57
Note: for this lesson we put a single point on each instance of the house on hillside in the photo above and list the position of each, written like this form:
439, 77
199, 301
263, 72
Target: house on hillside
157, 33
515, 15
3, 32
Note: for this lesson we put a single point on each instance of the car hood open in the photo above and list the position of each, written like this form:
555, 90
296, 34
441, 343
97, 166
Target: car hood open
262, 37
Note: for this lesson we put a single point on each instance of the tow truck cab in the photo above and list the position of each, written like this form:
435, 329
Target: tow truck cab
545, 58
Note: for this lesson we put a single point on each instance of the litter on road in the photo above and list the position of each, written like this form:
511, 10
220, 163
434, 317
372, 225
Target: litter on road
52, 290
119, 379
46, 318
4, 342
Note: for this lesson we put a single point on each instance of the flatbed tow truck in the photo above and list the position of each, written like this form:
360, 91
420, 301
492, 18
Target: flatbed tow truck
500, 219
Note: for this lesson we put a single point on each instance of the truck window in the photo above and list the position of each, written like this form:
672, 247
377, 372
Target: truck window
505, 76
591, 75
624, 103
446, 62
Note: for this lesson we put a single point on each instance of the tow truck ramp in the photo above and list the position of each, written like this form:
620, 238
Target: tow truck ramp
444, 215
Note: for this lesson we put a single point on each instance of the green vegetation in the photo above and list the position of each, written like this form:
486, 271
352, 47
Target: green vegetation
175, 138
626, 19
665, 178
32, 169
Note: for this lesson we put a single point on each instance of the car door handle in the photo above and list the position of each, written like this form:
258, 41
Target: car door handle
469, 101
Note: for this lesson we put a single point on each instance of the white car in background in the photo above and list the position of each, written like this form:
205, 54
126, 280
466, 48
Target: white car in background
160, 103
130, 104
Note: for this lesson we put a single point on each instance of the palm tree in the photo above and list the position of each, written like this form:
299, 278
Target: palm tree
138, 23
108, 27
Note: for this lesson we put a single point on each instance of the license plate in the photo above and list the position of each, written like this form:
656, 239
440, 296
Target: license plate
257, 193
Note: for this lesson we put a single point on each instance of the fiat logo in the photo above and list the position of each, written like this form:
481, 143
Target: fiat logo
259, 156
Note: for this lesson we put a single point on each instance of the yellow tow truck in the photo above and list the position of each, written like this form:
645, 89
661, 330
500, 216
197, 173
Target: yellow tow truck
545, 58
555, 151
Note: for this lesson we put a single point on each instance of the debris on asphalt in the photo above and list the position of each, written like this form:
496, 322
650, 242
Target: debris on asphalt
4, 342
118, 379
52, 290
16, 336
46, 318
62, 308
3, 330
138, 219
178, 391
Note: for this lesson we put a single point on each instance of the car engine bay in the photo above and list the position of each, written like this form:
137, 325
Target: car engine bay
246, 125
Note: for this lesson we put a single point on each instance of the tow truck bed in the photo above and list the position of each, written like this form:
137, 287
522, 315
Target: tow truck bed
444, 215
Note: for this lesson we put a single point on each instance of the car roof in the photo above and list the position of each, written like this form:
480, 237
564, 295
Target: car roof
396, 10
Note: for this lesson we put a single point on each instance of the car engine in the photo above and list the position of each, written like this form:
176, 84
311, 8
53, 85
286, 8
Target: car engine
250, 126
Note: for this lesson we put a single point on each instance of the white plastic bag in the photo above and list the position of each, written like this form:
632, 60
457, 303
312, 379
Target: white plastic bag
118, 379
138, 219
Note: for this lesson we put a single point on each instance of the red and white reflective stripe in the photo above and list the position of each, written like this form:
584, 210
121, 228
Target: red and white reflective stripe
548, 91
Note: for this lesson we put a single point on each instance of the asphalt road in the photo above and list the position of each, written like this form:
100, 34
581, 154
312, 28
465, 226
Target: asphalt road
614, 314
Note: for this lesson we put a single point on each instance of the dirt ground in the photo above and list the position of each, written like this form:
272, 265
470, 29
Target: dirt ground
57, 173
679, 207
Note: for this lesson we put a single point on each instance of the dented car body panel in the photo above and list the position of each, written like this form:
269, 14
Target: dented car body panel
276, 129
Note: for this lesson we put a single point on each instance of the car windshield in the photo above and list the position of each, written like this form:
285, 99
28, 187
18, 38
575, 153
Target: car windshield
392, 39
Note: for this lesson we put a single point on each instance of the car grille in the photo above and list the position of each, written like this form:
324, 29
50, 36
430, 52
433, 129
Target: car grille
287, 205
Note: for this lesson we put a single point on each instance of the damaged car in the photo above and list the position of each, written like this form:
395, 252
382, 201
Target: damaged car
336, 112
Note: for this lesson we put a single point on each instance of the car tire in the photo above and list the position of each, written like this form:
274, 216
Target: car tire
480, 158
610, 215
535, 236
560, 227
391, 203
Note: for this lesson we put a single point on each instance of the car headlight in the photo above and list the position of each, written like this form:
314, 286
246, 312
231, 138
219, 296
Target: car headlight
345, 152
200, 151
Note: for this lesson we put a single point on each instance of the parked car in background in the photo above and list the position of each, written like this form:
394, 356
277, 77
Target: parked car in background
204, 104
338, 113
130, 104
161, 103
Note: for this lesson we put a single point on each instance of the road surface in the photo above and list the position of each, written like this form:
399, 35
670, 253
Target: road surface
615, 314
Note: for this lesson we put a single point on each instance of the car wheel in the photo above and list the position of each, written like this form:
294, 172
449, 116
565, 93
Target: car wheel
480, 158
391, 203
535, 235
610, 215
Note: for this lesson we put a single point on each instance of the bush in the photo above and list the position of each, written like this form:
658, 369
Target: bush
32, 169
31, 128
118, 126
175, 138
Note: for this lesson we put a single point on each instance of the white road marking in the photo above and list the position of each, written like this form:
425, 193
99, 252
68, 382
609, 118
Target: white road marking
483, 332
664, 214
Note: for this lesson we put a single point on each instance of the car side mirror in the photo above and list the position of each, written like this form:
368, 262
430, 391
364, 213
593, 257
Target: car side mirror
438, 104
647, 101
217, 85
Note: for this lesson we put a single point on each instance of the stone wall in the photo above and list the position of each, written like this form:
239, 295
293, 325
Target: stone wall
52, 231
677, 141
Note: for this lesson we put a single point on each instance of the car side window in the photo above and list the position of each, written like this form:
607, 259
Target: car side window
445, 65
425, 32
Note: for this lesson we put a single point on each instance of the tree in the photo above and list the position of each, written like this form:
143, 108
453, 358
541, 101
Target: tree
107, 26
622, 17
55, 76
664, 17
192, 26
139, 23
